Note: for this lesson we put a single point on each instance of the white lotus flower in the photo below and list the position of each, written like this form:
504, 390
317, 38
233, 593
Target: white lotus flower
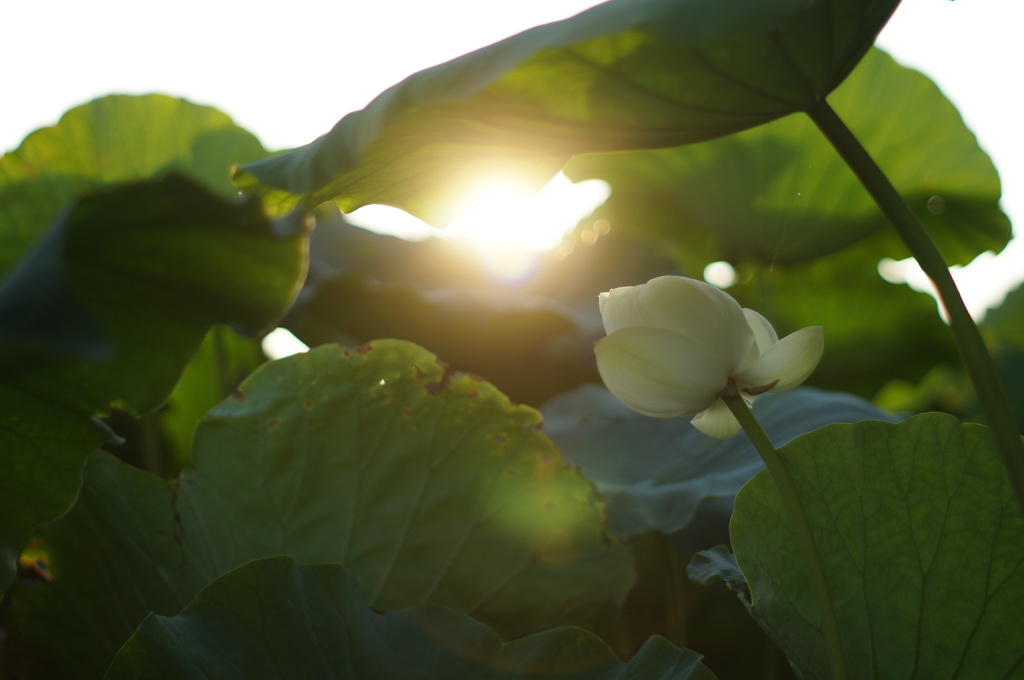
674, 345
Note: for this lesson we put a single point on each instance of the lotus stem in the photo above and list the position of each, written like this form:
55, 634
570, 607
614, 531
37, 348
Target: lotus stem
801, 527
972, 348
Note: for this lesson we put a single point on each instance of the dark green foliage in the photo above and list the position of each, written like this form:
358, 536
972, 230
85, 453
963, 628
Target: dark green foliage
428, 485
386, 508
274, 618
145, 269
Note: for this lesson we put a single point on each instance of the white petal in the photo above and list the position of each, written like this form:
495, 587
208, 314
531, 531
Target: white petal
657, 372
789, 361
717, 421
764, 335
618, 308
692, 308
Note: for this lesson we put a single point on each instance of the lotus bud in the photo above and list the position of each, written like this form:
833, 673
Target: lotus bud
676, 346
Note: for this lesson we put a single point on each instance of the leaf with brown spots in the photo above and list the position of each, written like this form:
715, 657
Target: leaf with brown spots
452, 496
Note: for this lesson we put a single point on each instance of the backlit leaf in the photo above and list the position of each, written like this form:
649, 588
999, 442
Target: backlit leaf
922, 545
626, 74
780, 194
145, 270
427, 485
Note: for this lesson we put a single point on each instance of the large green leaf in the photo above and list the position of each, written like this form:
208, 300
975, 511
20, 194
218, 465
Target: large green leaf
626, 74
429, 486
151, 266
155, 263
921, 542
274, 618
655, 472
780, 194
112, 139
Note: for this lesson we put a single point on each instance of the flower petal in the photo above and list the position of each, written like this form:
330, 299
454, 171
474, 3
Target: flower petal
764, 335
657, 372
618, 308
691, 308
716, 421
789, 361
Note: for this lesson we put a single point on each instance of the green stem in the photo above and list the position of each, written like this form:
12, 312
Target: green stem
801, 527
972, 348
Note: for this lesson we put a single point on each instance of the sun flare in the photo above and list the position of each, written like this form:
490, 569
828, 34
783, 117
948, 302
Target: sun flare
507, 215
507, 227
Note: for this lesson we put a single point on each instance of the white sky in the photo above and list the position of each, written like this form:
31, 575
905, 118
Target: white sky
287, 71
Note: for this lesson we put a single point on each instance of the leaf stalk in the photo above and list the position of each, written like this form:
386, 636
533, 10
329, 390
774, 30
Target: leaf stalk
801, 527
968, 339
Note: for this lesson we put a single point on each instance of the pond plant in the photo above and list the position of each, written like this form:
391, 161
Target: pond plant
442, 487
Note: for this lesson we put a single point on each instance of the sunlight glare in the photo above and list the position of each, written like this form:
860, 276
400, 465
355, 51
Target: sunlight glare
383, 219
508, 228
504, 214
975, 281
280, 343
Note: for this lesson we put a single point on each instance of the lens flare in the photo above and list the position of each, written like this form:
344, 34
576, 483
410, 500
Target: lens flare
720, 274
504, 214
506, 227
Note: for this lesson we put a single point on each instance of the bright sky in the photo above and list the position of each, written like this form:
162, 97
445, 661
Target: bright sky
288, 71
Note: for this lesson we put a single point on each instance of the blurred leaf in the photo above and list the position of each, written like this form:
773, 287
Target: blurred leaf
947, 387
586, 262
429, 486
779, 194
109, 140
224, 359
1004, 325
626, 74
655, 472
1009, 362
921, 541
155, 264
1003, 328
529, 346
274, 618
716, 564
875, 331
532, 339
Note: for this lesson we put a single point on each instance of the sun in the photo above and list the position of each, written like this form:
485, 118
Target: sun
507, 226
505, 214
